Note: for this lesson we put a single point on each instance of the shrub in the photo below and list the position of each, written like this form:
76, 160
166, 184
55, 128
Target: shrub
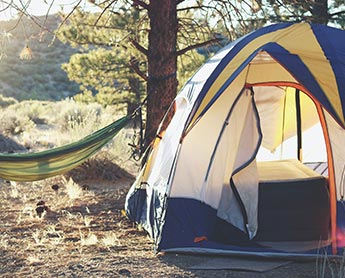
12, 123
6, 101
77, 118
34, 110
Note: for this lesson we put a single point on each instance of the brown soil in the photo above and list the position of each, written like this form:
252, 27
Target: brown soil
89, 236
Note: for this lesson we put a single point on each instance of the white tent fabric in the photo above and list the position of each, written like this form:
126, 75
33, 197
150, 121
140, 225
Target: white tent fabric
166, 151
196, 150
239, 143
277, 110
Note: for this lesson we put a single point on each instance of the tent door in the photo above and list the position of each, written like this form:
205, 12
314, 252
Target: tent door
240, 140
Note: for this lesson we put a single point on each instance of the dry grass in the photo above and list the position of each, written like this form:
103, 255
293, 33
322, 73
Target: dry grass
78, 226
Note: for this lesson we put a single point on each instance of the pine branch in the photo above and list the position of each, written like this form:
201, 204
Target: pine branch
104, 10
191, 47
141, 4
139, 47
337, 13
179, 2
64, 21
134, 65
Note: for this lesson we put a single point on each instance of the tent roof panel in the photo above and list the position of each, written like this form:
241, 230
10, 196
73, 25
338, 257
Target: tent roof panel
308, 62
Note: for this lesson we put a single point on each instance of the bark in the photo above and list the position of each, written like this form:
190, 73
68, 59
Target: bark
162, 63
320, 12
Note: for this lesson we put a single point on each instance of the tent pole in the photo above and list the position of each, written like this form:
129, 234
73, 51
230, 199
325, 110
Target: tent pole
299, 124
331, 178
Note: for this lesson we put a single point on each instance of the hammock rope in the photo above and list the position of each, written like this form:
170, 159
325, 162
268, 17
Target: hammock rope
48, 163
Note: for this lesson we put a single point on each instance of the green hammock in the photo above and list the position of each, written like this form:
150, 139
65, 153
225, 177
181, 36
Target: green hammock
45, 164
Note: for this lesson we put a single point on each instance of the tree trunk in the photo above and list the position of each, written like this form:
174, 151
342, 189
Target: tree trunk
320, 12
162, 63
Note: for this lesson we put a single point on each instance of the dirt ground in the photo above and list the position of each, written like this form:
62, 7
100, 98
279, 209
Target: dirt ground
82, 232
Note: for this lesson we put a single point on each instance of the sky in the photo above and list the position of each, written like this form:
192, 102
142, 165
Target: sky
39, 7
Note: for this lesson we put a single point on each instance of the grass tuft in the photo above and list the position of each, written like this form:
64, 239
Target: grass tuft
90, 239
110, 240
74, 191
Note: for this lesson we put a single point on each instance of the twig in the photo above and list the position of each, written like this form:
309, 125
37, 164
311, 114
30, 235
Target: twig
134, 66
139, 47
65, 19
191, 47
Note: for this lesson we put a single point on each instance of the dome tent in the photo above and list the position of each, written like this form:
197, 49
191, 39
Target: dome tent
203, 187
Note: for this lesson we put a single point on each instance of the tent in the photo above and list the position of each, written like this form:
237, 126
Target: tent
252, 162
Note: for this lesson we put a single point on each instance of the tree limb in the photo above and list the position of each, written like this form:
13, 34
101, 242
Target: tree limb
139, 47
134, 65
65, 19
337, 13
191, 47
141, 4
104, 10
179, 2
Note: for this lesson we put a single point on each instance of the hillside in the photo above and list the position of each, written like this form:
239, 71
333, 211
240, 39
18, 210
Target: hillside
40, 78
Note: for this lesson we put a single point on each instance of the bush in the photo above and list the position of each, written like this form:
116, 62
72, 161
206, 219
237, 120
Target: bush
75, 115
12, 123
34, 110
6, 101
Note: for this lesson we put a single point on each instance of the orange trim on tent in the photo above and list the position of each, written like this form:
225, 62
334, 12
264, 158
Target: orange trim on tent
331, 173
200, 238
331, 179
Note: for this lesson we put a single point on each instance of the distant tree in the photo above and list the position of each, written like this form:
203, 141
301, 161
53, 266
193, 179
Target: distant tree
314, 11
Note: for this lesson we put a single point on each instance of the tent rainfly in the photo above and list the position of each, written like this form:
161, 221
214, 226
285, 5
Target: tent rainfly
253, 160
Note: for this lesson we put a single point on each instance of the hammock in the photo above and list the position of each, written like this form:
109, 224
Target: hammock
45, 164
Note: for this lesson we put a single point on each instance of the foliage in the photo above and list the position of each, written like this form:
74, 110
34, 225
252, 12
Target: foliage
6, 101
39, 125
74, 115
321, 11
41, 77
12, 123
103, 66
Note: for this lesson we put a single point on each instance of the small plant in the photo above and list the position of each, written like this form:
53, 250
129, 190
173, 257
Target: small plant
4, 242
12, 123
87, 220
77, 115
48, 236
335, 266
110, 240
55, 237
34, 110
27, 212
90, 239
14, 191
7, 101
33, 260
38, 237
74, 191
